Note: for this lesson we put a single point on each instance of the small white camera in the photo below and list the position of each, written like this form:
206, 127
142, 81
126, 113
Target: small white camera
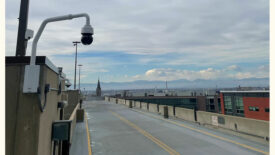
28, 34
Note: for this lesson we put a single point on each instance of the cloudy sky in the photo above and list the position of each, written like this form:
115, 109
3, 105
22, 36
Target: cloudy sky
152, 39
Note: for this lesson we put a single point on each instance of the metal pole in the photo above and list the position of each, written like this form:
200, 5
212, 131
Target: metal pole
79, 77
75, 44
21, 44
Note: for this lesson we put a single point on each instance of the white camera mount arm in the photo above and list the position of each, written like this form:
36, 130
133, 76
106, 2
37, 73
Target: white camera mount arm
32, 71
53, 19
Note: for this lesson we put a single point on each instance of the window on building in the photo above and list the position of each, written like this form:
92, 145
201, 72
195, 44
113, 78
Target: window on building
239, 105
211, 101
227, 104
266, 110
212, 107
253, 108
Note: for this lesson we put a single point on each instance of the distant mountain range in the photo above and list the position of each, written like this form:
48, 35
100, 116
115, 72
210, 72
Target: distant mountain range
199, 83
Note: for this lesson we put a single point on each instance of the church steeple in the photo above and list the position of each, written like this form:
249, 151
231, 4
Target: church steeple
98, 88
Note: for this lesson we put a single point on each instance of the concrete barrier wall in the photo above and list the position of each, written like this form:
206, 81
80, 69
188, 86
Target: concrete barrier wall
246, 125
137, 104
161, 109
240, 124
121, 101
127, 102
73, 119
113, 100
186, 114
153, 107
51, 113
73, 100
26, 115
143, 105
106, 98
28, 130
170, 111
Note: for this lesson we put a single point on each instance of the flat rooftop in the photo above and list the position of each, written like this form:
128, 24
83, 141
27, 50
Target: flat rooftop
244, 91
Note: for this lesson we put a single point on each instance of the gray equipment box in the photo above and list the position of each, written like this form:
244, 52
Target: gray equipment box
61, 130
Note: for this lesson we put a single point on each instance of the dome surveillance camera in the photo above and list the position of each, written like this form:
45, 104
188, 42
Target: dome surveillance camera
67, 83
87, 35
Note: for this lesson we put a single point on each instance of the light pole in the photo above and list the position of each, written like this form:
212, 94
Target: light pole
22, 28
75, 44
79, 77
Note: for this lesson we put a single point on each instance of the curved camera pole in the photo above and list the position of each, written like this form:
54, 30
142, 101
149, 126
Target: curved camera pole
32, 71
53, 19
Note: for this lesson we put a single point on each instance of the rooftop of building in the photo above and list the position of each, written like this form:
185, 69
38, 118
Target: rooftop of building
244, 91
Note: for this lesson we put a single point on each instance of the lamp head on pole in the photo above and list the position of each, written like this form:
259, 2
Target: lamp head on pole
76, 42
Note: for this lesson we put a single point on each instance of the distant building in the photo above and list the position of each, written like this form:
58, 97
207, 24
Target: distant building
250, 104
98, 89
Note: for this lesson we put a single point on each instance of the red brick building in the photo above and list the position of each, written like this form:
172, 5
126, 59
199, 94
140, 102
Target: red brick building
249, 104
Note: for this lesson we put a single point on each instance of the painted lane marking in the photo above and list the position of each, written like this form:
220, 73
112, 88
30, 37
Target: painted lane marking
148, 135
204, 132
88, 136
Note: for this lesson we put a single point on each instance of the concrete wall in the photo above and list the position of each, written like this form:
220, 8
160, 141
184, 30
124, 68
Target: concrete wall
121, 101
153, 107
161, 109
127, 102
170, 111
51, 113
28, 119
246, 125
73, 119
28, 130
113, 100
143, 105
106, 98
73, 100
186, 114
137, 104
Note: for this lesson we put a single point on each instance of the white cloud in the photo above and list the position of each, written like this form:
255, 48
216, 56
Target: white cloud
90, 66
233, 68
200, 33
169, 74
223, 31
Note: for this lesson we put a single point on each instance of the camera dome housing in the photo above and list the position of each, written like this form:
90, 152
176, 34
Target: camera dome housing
86, 39
67, 83
87, 34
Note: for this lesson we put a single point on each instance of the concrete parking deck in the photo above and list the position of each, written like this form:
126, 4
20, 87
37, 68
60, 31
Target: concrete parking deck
116, 129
